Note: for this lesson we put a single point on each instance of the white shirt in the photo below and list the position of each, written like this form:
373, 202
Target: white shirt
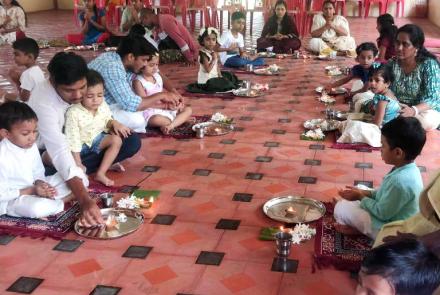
51, 109
150, 87
31, 77
226, 41
19, 169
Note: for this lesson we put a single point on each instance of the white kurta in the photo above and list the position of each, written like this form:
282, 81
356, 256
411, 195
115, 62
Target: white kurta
329, 38
19, 169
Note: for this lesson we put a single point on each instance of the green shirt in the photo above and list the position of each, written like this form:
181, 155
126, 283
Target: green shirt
397, 198
422, 85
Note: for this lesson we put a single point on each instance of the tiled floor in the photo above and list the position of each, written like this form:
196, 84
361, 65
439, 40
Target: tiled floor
192, 255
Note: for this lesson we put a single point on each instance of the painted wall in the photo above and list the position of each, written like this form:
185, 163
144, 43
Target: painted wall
36, 5
434, 12
65, 4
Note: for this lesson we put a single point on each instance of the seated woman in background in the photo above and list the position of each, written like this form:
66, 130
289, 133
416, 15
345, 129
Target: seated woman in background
12, 21
387, 30
416, 77
93, 26
330, 32
279, 32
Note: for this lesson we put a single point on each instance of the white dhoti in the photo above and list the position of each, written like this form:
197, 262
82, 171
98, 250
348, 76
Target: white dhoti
37, 207
361, 98
350, 213
133, 120
429, 119
353, 131
342, 43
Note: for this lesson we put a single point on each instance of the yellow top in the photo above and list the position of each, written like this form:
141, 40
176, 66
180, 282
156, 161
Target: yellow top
82, 126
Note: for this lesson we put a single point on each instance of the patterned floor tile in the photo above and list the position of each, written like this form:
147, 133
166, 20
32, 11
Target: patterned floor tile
105, 290
25, 285
68, 245
140, 252
210, 258
163, 219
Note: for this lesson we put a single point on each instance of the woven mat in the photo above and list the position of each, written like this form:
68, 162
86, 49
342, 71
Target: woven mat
55, 226
344, 252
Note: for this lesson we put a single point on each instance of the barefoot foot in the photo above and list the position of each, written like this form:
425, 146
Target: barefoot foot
104, 180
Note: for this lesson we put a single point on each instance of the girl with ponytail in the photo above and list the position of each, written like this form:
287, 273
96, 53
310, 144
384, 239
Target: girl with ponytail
387, 34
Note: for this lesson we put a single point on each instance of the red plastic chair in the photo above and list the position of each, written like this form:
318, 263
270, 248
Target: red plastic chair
382, 6
165, 6
199, 6
262, 6
398, 3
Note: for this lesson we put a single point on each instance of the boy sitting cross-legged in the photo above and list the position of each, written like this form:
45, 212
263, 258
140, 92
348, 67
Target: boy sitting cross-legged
397, 198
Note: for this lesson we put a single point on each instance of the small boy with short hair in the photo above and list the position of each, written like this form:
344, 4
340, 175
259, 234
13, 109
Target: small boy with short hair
24, 190
88, 125
26, 52
403, 267
232, 53
366, 55
366, 211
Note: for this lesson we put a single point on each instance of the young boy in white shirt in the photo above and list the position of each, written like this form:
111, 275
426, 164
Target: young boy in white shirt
24, 190
231, 48
26, 52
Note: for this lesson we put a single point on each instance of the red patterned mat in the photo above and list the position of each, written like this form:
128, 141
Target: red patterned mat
335, 249
182, 132
55, 226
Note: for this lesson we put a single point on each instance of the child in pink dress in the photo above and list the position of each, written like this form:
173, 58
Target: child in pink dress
150, 83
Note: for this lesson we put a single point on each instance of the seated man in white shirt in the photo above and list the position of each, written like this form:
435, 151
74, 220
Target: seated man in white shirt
67, 85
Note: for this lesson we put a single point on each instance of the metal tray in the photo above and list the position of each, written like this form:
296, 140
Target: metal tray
324, 124
307, 210
337, 90
134, 220
247, 93
214, 128
266, 72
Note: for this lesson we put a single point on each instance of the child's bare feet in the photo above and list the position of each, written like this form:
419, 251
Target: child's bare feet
117, 167
167, 129
346, 230
104, 180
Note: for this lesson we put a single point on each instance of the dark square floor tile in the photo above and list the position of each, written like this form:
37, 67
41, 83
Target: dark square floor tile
363, 165
210, 258
68, 245
128, 189
184, 139
242, 197
263, 159
238, 129
312, 162
278, 131
150, 169
261, 100
246, 118
421, 168
6, 239
254, 176
140, 252
271, 144
284, 265
184, 193
168, 152
230, 224
202, 172
366, 183
25, 285
228, 141
253, 109
216, 156
316, 147
364, 150
105, 290
284, 120
307, 179
294, 101
163, 219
